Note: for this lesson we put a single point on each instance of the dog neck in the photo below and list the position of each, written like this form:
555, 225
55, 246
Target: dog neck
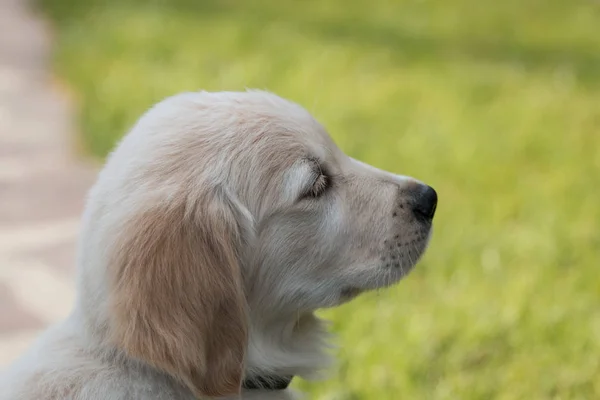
287, 346
280, 346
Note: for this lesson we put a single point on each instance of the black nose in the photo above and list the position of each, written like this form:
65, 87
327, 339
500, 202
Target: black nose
425, 202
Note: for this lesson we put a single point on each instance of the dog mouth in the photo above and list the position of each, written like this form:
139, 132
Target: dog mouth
400, 255
404, 255
350, 292
397, 258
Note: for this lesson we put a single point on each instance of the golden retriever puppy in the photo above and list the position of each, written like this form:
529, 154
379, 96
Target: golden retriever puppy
217, 227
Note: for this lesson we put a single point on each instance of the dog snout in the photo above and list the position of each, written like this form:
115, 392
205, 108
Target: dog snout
424, 202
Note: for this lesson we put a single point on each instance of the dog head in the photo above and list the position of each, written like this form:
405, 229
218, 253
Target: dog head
218, 207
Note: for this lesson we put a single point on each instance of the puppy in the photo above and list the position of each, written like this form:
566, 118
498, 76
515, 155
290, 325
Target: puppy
218, 226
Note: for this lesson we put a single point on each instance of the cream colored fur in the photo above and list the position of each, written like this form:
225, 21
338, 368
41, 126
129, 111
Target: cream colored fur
219, 224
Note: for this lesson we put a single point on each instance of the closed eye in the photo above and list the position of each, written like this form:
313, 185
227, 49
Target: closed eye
318, 187
320, 181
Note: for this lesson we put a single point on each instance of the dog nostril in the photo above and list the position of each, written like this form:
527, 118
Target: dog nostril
425, 202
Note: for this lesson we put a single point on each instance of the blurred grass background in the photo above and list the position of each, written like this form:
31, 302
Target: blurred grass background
495, 104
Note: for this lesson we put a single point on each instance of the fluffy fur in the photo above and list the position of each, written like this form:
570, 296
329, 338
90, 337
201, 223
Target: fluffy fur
217, 227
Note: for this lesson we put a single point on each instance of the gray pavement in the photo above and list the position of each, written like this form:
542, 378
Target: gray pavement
42, 184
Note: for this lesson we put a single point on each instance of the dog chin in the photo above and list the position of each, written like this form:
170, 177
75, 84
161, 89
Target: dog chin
350, 292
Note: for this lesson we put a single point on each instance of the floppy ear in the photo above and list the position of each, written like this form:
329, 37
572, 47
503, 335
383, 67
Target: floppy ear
177, 297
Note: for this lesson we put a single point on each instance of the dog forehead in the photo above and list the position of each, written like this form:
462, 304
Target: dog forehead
279, 125
238, 128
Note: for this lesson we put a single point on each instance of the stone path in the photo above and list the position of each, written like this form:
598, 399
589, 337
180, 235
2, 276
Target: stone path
42, 185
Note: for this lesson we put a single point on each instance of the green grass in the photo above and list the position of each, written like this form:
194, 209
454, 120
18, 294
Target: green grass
494, 103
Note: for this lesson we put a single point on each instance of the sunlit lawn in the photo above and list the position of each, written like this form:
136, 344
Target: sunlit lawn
494, 103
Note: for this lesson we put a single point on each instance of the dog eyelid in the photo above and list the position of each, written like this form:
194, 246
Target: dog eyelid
320, 180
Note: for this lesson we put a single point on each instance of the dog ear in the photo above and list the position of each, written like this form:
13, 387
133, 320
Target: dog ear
177, 297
